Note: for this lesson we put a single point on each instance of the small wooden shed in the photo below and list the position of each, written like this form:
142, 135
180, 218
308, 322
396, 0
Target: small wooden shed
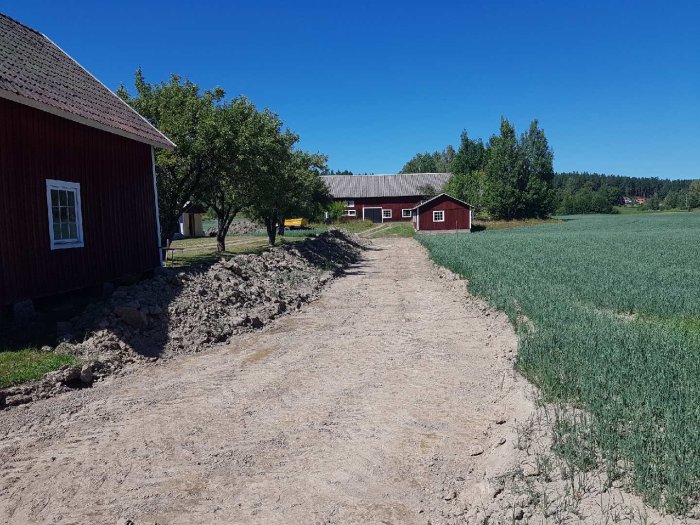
442, 213
191, 220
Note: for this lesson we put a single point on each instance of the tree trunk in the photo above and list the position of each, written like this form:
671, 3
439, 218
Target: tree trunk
221, 232
271, 231
220, 241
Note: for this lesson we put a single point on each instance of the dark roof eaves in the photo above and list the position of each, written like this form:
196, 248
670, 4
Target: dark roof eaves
14, 97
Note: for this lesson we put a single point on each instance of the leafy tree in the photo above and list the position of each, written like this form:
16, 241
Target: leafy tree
336, 210
584, 200
505, 175
182, 112
653, 203
232, 138
420, 163
285, 181
694, 194
471, 155
437, 162
468, 187
539, 168
337, 172
467, 181
427, 190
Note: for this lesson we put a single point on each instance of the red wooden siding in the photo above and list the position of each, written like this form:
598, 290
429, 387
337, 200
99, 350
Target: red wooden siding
457, 215
116, 188
395, 204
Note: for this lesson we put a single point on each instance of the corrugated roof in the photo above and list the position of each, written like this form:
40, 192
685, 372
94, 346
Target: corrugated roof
400, 185
36, 72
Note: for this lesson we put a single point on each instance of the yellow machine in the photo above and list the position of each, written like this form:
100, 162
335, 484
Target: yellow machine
293, 224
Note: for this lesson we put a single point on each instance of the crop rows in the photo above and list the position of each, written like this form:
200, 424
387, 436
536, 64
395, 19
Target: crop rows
614, 311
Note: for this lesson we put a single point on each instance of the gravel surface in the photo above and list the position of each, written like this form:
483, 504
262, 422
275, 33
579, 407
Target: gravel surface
391, 399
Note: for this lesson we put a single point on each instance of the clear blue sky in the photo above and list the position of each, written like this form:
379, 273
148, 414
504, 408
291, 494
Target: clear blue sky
615, 84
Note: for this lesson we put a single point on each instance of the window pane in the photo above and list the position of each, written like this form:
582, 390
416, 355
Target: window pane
64, 213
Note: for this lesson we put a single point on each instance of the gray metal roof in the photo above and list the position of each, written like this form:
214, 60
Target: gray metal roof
424, 203
400, 185
36, 72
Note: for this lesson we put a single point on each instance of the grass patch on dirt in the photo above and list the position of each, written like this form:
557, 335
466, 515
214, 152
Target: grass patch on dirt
20, 366
357, 226
395, 230
637, 374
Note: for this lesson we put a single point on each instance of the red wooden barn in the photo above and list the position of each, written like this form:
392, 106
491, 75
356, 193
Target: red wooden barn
442, 212
383, 198
78, 202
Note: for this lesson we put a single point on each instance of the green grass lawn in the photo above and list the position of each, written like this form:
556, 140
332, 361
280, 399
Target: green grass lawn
608, 313
26, 365
202, 250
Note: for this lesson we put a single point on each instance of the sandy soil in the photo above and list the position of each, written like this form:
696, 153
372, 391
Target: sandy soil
392, 399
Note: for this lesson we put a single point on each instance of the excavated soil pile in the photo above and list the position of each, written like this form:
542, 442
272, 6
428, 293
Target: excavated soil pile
184, 312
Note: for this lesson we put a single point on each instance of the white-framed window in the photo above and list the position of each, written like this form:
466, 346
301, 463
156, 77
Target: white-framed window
350, 204
406, 213
350, 213
439, 216
65, 214
386, 214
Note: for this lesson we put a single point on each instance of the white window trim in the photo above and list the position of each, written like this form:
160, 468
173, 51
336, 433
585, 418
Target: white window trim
403, 213
385, 210
350, 203
350, 213
435, 212
73, 186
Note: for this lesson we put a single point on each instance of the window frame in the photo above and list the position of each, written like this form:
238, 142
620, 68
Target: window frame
350, 203
74, 187
350, 213
384, 210
442, 212
403, 213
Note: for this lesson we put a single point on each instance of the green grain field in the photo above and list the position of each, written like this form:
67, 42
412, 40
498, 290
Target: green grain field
608, 313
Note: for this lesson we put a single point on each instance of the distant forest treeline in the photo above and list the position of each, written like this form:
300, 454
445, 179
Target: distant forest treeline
629, 186
483, 174
599, 193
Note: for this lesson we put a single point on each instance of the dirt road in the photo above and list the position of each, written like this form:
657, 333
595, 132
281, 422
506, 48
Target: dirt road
389, 400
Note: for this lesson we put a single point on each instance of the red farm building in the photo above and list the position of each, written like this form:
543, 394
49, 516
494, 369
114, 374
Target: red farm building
442, 212
403, 197
383, 198
78, 203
